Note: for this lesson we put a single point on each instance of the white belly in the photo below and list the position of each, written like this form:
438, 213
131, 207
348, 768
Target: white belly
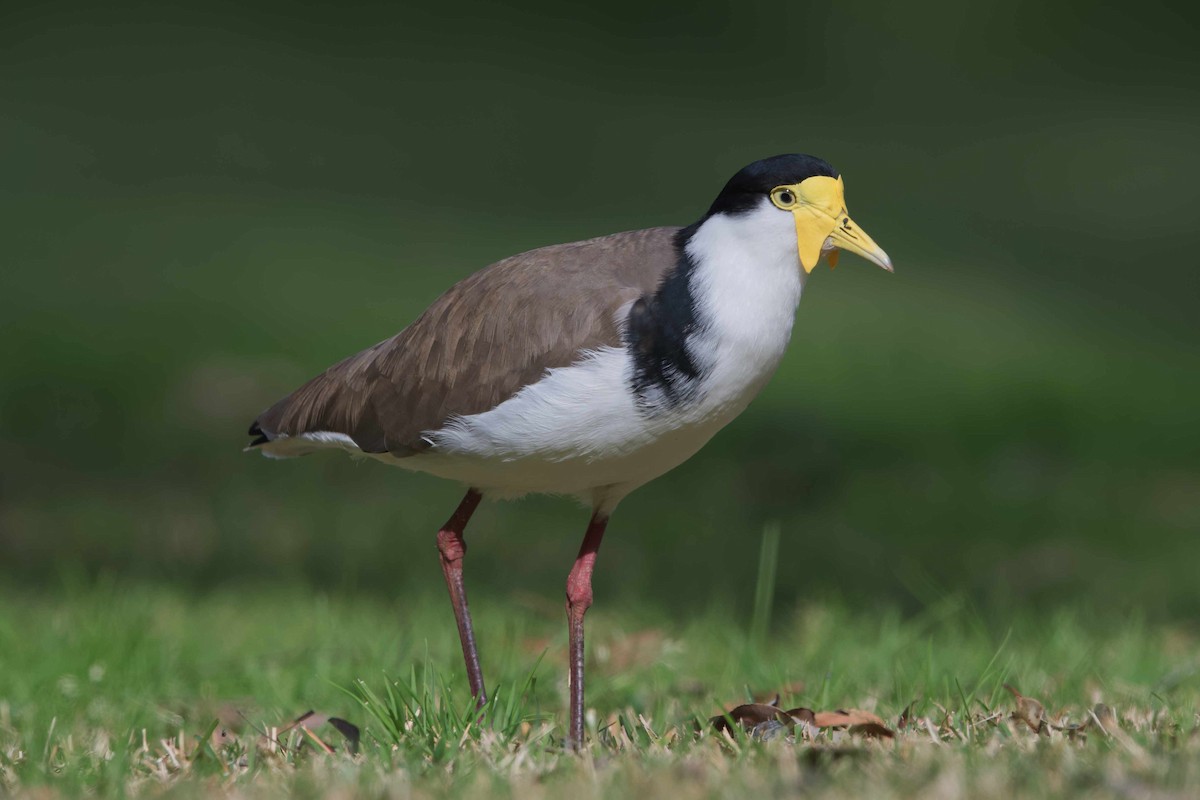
577, 431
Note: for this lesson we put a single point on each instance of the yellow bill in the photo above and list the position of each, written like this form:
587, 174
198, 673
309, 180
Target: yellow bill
822, 223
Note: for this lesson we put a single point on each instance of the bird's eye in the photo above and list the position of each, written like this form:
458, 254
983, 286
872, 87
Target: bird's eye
783, 198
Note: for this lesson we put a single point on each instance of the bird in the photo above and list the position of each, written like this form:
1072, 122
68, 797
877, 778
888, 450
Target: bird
584, 369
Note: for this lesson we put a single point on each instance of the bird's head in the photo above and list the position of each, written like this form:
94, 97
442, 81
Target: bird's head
811, 193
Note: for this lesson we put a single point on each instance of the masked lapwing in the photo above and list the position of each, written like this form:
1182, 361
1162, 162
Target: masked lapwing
583, 369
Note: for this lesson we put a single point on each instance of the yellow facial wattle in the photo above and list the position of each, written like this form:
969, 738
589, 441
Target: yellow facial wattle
818, 205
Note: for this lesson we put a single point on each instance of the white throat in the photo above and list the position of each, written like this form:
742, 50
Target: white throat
747, 285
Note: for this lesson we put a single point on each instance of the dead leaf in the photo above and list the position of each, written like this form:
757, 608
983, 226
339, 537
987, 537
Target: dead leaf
756, 717
856, 720
875, 729
751, 715
805, 721
1029, 711
804, 715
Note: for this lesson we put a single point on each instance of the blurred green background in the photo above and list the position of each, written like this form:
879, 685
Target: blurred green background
202, 208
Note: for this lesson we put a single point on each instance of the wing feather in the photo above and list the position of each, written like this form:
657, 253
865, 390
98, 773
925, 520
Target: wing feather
479, 343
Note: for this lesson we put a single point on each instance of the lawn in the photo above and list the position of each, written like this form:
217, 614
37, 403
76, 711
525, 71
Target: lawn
117, 687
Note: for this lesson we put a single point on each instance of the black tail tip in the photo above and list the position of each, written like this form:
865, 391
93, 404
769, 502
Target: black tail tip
256, 431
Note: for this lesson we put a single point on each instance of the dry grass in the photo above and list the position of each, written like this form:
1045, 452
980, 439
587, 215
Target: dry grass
988, 754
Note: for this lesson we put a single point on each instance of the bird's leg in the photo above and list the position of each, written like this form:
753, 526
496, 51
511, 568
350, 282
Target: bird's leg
452, 548
579, 598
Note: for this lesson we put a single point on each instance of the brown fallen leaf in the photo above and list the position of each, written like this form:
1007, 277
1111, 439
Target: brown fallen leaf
750, 716
804, 720
855, 720
1029, 711
804, 715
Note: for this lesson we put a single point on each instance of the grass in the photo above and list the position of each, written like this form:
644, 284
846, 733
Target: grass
116, 688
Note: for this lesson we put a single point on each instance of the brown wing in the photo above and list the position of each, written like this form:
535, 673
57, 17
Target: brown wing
479, 343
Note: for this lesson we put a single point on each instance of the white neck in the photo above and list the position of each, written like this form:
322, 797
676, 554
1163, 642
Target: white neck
746, 284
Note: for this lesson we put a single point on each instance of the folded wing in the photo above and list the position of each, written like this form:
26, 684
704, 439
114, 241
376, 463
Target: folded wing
478, 344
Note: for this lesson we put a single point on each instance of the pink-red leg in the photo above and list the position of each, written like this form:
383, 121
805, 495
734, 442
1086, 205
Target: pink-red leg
453, 548
579, 599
